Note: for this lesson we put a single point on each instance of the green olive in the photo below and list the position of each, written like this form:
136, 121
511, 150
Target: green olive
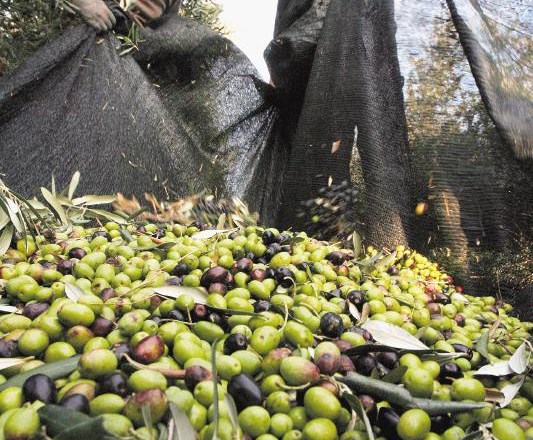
254, 420
97, 363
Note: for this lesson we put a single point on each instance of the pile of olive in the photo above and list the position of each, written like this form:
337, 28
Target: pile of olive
147, 308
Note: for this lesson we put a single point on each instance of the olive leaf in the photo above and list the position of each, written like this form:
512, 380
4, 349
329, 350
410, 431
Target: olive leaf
11, 362
353, 311
197, 293
73, 292
215, 389
393, 336
182, 429
510, 391
4, 218
74, 182
387, 261
357, 244
519, 360
482, 345
100, 213
209, 233
356, 405
233, 415
395, 376
476, 435
9, 309
146, 414
494, 395
54, 370
125, 234
92, 199
51, 199
5, 238
498, 369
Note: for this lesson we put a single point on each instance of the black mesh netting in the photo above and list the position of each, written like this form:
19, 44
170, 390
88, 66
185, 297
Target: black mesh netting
406, 102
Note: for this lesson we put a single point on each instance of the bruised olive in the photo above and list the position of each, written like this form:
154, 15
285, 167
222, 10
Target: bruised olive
364, 333
8, 348
107, 293
153, 399
102, 326
298, 371
196, 374
441, 298
199, 312
331, 325
235, 342
76, 401
244, 265
216, 274
245, 391
258, 274
114, 383
328, 363
217, 288
149, 349
393, 270
33, 310
345, 364
39, 387
364, 364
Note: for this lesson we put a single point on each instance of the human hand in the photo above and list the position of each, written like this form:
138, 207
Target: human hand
96, 14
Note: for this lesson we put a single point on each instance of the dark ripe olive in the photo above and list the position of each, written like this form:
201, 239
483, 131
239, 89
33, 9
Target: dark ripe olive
39, 387
180, 270
196, 374
440, 423
284, 277
335, 293
249, 255
115, 383
368, 402
302, 266
268, 237
328, 363
217, 288
107, 293
78, 253
328, 385
261, 306
434, 308
448, 371
76, 401
104, 234
102, 326
216, 274
272, 250
8, 349
441, 298
65, 267
218, 319
364, 364
336, 258
387, 420
356, 297
345, 365
235, 342
258, 274
460, 348
459, 319
245, 391
120, 349
155, 300
174, 281
447, 334
233, 235
244, 265
270, 273
260, 260
331, 325
156, 319
382, 369
176, 314
364, 333
393, 271
149, 349
283, 238
33, 310
160, 233
387, 359
199, 312
342, 344
141, 229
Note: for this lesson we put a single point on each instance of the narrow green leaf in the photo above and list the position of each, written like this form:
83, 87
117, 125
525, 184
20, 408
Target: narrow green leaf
100, 213
199, 295
394, 394
368, 348
125, 234
92, 199
215, 388
233, 416
387, 261
183, 430
395, 376
53, 417
476, 435
54, 370
482, 345
11, 208
5, 238
356, 405
437, 407
56, 206
221, 221
4, 218
74, 182
147, 417
357, 244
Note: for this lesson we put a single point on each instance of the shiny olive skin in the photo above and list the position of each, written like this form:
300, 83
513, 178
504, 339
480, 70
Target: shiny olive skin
39, 387
76, 401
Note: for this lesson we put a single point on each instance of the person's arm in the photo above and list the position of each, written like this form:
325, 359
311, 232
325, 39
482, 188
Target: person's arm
96, 14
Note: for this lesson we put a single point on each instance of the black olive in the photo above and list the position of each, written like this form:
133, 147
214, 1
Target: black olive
234, 342
102, 326
120, 349
76, 401
78, 253
198, 313
261, 306
336, 258
174, 281
244, 391
107, 293
440, 423
196, 374
65, 267
268, 237
8, 349
115, 383
104, 234
216, 274
387, 420
180, 269
284, 277
460, 348
388, 359
331, 325
441, 298
356, 297
449, 371
270, 273
393, 271
244, 265
33, 310
176, 314
218, 319
272, 250
39, 387
364, 364
364, 333
283, 238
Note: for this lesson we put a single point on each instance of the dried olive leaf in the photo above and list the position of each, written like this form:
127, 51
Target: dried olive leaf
393, 336
73, 292
519, 360
198, 294
183, 430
